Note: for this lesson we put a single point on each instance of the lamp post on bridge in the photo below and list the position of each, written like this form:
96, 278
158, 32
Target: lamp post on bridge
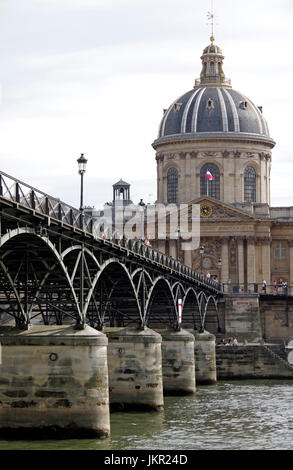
141, 210
82, 161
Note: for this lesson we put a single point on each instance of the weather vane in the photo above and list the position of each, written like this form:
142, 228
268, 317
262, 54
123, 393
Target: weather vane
211, 18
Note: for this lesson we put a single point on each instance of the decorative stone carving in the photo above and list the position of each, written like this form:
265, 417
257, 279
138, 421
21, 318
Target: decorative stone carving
209, 154
212, 247
193, 154
251, 155
160, 157
219, 212
237, 154
207, 263
172, 156
226, 154
182, 155
264, 240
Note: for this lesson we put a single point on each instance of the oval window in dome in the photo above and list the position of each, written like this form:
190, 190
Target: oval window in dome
210, 104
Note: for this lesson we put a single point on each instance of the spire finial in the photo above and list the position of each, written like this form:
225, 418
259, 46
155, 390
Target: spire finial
211, 19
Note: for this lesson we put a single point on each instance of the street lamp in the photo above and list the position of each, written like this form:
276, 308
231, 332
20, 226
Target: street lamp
220, 266
141, 210
81, 170
201, 251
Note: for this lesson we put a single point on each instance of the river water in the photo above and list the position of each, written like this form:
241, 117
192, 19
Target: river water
246, 415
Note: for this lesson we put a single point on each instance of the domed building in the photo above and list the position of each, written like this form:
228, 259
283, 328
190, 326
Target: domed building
216, 128
214, 149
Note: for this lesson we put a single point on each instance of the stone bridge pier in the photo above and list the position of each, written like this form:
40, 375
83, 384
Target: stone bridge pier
58, 381
54, 382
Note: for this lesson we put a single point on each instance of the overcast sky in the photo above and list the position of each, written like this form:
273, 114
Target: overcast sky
93, 77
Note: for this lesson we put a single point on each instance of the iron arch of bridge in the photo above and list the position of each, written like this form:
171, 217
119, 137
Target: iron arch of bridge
78, 283
25, 284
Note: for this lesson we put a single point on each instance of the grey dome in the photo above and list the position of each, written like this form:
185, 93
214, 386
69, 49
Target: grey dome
213, 111
212, 49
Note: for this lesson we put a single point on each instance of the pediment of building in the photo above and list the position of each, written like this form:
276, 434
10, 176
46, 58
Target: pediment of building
213, 209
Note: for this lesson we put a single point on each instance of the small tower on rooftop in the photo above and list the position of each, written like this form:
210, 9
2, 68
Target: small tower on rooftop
121, 193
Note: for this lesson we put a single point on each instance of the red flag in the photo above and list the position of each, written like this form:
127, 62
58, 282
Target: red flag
209, 176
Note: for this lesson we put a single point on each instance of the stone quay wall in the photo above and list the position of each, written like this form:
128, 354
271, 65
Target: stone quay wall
256, 361
240, 317
276, 316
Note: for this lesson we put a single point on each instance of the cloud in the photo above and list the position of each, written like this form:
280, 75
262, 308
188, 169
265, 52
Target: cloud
83, 4
93, 76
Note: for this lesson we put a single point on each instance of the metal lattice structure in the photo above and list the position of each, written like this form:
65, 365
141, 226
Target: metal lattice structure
55, 269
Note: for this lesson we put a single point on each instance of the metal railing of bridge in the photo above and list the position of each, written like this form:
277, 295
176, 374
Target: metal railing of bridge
21, 193
279, 289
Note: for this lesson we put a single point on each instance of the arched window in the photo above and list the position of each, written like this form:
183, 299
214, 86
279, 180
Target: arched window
209, 187
280, 251
172, 185
249, 184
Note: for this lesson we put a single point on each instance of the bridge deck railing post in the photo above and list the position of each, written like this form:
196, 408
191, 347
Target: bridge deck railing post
17, 198
47, 205
32, 199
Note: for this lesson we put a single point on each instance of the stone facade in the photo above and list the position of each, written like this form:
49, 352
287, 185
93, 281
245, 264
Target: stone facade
230, 157
254, 242
211, 125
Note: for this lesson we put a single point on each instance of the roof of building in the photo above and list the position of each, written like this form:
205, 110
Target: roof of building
121, 183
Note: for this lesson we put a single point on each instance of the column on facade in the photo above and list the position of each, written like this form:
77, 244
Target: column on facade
162, 246
240, 260
266, 259
188, 258
225, 260
194, 186
187, 177
260, 178
160, 178
251, 260
268, 172
291, 260
227, 189
238, 178
173, 248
